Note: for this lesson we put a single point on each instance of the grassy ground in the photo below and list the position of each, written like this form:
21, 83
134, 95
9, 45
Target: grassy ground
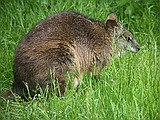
129, 88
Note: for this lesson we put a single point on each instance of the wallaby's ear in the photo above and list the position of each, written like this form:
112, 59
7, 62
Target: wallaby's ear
112, 16
111, 21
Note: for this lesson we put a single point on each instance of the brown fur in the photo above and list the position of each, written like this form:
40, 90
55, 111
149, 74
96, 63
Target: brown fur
66, 42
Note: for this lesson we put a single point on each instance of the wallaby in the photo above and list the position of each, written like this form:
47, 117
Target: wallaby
67, 42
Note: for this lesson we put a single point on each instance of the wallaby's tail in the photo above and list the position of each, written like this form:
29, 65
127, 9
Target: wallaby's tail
8, 95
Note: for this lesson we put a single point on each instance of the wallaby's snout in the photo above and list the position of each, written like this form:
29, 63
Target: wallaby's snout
131, 45
134, 46
137, 46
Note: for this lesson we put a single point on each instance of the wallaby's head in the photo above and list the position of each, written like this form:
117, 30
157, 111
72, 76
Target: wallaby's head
123, 39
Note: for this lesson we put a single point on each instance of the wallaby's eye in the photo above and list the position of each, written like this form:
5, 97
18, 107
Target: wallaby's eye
129, 39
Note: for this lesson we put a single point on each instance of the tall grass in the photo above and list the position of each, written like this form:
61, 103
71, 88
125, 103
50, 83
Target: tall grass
128, 88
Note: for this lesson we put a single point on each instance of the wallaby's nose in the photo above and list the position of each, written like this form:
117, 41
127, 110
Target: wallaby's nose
138, 48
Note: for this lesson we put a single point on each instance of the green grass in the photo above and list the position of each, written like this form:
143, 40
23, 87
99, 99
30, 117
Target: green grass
129, 87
